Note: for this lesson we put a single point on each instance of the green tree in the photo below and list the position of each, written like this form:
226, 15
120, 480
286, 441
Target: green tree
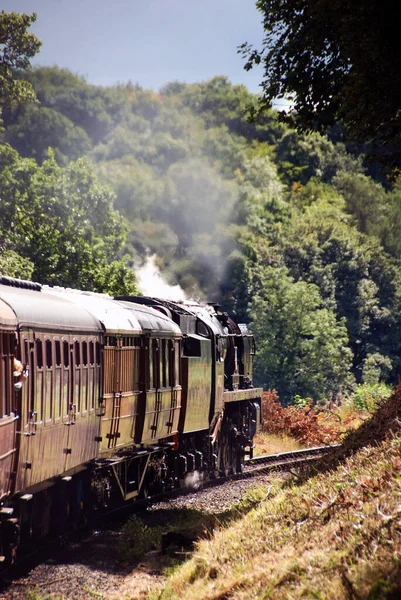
301, 157
338, 60
14, 265
62, 221
302, 347
366, 200
356, 277
16, 48
390, 233
376, 368
39, 128
262, 204
96, 110
219, 102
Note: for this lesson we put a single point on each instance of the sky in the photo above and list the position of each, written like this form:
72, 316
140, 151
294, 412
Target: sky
149, 42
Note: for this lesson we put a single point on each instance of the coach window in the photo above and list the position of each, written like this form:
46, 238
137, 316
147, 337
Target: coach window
150, 342
5, 369
157, 367
91, 374
85, 374
66, 354
91, 353
97, 353
39, 380
77, 376
6, 379
167, 361
155, 362
66, 379
162, 359
26, 353
77, 350
97, 362
95, 369
170, 363
49, 381
177, 363
58, 389
39, 354
137, 349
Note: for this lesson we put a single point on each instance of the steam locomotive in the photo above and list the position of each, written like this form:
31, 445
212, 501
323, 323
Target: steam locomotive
105, 400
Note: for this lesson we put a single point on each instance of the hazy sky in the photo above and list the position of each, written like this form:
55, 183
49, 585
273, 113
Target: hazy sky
150, 42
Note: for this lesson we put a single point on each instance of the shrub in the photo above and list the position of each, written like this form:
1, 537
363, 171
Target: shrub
368, 396
137, 539
303, 423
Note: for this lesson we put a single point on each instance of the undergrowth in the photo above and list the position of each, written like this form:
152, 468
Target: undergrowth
182, 525
312, 425
137, 539
304, 423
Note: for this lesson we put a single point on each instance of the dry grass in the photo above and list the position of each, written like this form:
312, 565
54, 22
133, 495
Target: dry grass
336, 535
270, 443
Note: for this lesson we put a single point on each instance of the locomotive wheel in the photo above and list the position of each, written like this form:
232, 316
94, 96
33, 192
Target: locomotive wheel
230, 452
227, 456
226, 460
239, 459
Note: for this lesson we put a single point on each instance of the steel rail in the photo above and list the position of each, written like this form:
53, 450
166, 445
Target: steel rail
283, 460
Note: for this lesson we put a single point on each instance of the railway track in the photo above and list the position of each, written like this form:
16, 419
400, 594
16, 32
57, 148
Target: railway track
253, 467
268, 462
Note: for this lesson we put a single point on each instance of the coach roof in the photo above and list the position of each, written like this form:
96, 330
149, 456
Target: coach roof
115, 318
151, 320
38, 309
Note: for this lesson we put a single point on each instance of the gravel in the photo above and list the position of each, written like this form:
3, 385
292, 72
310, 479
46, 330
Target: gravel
91, 568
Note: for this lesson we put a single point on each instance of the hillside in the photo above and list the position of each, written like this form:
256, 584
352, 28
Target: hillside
330, 534
288, 232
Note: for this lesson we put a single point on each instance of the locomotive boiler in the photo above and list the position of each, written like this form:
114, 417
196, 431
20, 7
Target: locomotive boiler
105, 400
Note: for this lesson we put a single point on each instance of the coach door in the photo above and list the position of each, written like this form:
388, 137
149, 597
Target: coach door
121, 391
163, 396
80, 416
8, 411
45, 401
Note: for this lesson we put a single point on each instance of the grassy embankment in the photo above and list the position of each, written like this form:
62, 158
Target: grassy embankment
331, 534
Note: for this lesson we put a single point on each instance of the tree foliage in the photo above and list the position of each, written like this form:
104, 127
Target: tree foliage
39, 128
16, 48
303, 348
338, 60
286, 230
62, 225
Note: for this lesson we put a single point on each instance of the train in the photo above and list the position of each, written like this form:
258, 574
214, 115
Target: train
106, 400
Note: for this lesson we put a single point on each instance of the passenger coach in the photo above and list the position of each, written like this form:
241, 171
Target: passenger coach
103, 400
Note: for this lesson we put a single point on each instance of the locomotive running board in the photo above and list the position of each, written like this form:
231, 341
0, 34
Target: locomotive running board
239, 395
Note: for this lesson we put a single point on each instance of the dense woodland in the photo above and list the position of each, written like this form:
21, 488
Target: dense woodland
290, 232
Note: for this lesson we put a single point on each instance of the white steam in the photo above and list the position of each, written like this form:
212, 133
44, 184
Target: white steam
151, 283
193, 480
